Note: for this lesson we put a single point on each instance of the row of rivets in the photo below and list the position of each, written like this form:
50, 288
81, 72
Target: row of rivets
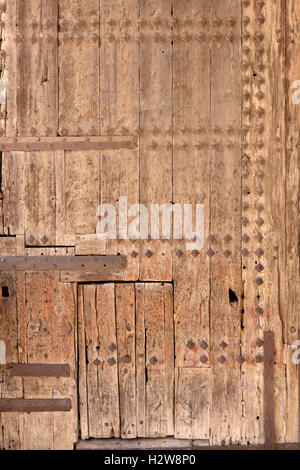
173, 22
31, 239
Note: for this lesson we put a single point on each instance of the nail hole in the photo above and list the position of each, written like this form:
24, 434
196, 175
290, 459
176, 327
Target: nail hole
232, 296
5, 292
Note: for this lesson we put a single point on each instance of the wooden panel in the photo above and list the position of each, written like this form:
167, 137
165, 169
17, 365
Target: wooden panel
191, 182
292, 216
79, 109
59, 263
125, 308
12, 405
39, 370
156, 131
42, 144
102, 398
119, 114
193, 396
154, 360
226, 286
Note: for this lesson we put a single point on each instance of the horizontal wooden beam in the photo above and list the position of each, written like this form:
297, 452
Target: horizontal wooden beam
48, 144
39, 370
99, 264
100, 276
13, 405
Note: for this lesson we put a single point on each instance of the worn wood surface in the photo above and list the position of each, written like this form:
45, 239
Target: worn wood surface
174, 102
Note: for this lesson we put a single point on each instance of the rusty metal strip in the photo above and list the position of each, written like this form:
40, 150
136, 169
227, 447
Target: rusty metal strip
49, 144
9, 405
62, 263
269, 423
39, 370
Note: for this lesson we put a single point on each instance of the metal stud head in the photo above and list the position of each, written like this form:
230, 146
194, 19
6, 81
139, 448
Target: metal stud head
259, 281
259, 268
210, 253
30, 239
44, 239
259, 310
203, 345
190, 344
111, 361
127, 358
153, 360
96, 362
112, 347
227, 238
223, 345
222, 359
240, 359
179, 253
204, 359
134, 254
259, 252
227, 253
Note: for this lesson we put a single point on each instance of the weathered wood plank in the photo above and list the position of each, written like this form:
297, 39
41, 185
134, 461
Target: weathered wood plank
191, 184
39, 370
47, 144
13, 405
193, 401
154, 360
225, 221
119, 114
135, 444
292, 173
125, 310
82, 366
59, 263
269, 389
102, 370
156, 127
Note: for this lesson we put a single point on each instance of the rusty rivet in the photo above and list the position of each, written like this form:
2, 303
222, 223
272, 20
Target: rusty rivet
260, 19
260, 66
259, 221
149, 254
259, 268
259, 190
245, 238
227, 253
111, 22
210, 253
245, 221
260, 112
259, 79
222, 359
134, 254
211, 238
199, 145
63, 131
125, 23
246, 50
203, 359
260, 3
153, 360
179, 253
156, 37
44, 239
260, 144
96, 362
223, 345
260, 128
259, 252
203, 345
30, 239
228, 145
259, 237
2, 24
259, 359
258, 206
259, 49
229, 37
245, 206
195, 253
259, 310
259, 36
245, 20
112, 347
190, 344
200, 36
77, 131
216, 36
215, 129
230, 21
261, 160
240, 359
259, 281
259, 343
246, 36
125, 37
156, 21
172, 22
183, 129
245, 190
127, 358
140, 37
94, 37
228, 130
95, 22
216, 22
202, 21
111, 361
227, 238
245, 252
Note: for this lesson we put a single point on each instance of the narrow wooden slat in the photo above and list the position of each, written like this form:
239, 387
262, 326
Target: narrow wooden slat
82, 366
156, 136
48, 144
13, 405
39, 370
125, 310
100, 275
269, 401
135, 444
59, 263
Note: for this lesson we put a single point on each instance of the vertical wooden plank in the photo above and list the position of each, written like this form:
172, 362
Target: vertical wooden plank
50, 338
269, 385
225, 216
102, 373
193, 399
156, 131
191, 177
82, 369
125, 310
119, 114
79, 63
272, 217
155, 360
292, 213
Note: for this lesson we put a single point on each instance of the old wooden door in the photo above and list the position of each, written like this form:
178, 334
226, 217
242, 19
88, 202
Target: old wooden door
164, 102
